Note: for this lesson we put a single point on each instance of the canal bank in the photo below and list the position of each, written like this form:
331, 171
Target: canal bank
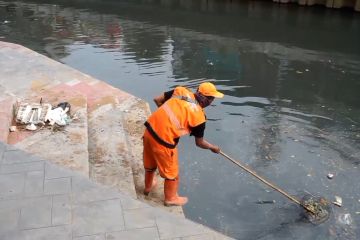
102, 143
352, 4
291, 105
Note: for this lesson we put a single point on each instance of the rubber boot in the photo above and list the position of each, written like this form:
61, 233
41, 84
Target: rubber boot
171, 196
150, 182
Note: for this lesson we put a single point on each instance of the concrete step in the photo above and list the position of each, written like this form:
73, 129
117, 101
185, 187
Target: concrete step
136, 112
108, 149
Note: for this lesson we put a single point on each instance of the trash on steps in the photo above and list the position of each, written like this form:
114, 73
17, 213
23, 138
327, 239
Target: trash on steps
13, 129
31, 127
58, 116
33, 114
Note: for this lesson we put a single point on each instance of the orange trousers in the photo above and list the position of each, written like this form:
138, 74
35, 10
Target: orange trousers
158, 156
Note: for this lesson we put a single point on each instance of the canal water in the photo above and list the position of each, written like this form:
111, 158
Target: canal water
291, 111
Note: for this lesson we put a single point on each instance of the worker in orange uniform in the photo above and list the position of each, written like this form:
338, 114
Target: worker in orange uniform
179, 112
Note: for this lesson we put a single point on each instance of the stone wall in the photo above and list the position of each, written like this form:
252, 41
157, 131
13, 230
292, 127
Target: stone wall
355, 4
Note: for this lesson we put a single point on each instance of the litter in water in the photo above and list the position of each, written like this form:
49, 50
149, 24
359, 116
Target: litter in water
338, 201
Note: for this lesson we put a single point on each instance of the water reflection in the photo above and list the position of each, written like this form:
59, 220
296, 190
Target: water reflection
291, 110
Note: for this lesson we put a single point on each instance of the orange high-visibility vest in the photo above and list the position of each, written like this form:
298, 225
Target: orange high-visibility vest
175, 117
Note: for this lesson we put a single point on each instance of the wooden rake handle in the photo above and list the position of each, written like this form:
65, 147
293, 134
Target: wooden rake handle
267, 182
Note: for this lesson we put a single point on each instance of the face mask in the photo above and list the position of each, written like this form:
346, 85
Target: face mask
204, 101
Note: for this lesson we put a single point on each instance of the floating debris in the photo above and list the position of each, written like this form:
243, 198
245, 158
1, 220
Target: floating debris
319, 207
338, 201
265, 202
299, 72
330, 176
345, 219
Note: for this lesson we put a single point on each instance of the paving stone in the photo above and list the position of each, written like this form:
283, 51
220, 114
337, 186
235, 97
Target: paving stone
139, 218
34, 184
8, 220
172, 227
57, 186
11, 148
22, 167
134, 234
2, 150
92, 237
61, 210
36, 213
11, 185
97, 217
49, 233
10, 204
79, 184
84, 191
199, 237
11, 157
54, 171
130, 203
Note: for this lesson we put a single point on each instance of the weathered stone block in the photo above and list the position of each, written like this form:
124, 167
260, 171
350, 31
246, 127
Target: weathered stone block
139, 218
11, 185
135, 234
36, 213
97, 217
61, 210
57, 186
11, 157
34, 184
22, 167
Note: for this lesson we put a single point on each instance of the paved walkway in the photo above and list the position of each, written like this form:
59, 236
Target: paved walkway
40, 200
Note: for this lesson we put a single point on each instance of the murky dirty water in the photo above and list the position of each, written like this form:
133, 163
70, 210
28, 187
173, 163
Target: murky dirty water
291, 76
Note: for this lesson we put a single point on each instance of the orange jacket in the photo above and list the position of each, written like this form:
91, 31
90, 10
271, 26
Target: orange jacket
174, 118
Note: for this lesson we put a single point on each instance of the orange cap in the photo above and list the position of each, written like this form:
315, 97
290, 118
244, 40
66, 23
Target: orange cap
209, 89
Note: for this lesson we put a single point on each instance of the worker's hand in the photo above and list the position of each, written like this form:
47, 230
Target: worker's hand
215, 149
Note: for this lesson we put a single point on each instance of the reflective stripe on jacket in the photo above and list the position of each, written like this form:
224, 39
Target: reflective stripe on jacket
176, 116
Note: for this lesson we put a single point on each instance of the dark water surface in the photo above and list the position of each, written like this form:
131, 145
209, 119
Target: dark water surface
291, 76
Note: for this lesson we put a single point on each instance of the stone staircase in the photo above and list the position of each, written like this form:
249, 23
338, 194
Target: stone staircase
103, 141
